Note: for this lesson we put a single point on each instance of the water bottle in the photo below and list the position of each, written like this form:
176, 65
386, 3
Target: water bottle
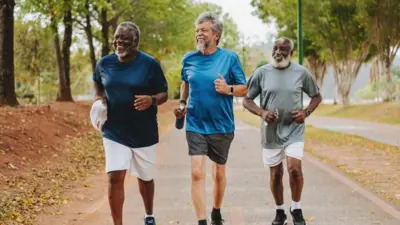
180, 122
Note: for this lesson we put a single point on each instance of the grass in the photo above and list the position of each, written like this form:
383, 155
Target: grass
374, 165
378, 112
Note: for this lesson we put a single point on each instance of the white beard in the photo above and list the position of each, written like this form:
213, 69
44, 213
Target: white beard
201, 46
282, 64
121, 55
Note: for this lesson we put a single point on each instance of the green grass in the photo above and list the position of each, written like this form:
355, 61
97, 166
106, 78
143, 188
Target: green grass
378, 112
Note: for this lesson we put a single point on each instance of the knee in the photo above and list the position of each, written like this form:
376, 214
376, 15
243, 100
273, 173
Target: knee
198, 174
115, 179
277, 175
295, 172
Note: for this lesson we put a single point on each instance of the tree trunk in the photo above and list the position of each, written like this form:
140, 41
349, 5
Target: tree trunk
7, 86
57, 46
65, 84
346, 77
318, 70
389, 83
105, 50
89, 34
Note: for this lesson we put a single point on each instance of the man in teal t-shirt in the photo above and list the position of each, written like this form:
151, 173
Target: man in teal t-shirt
211, 77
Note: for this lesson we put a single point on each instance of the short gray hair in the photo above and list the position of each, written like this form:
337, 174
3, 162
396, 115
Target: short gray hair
287, 39
217, 26
135, 32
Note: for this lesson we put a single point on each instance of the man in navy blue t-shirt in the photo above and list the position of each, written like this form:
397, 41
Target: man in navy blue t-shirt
211, 77
131, 84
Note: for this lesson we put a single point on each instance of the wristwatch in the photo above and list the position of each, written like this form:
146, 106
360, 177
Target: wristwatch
230, 90
308, 112
153, 100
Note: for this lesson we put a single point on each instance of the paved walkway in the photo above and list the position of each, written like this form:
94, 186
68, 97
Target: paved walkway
385, 133
329, 198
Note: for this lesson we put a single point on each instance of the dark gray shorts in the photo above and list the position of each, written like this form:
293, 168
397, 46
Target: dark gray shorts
215, 146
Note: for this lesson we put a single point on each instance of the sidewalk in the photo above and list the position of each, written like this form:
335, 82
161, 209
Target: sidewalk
385, 133
328, 198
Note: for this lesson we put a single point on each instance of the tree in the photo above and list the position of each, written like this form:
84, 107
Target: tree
335, 26
57, 11
35, 62
383, 23
7, 87
284, 12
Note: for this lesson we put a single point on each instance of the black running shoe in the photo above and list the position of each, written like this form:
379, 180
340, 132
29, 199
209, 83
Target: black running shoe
280, 218
149, 221
297, 216
216, 219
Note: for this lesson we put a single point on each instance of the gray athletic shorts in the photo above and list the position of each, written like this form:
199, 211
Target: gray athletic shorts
215, 146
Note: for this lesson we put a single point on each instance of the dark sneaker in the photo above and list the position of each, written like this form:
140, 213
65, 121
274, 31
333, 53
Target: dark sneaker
149, 221
216, 219
297, 216
280, 218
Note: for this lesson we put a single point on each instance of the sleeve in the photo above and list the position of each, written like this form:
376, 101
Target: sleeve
254, 85
158, 80
310, 86
184, 76
237, 71
97, 73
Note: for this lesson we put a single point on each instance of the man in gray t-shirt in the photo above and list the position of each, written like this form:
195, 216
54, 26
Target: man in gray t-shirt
280, 86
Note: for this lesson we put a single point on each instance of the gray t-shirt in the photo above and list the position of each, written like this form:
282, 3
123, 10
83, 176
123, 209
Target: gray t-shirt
282, 90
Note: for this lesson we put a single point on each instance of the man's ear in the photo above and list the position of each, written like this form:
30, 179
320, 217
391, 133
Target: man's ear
291, 53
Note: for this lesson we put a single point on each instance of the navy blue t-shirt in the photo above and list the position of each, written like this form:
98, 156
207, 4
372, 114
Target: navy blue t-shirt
210, 112
121, 82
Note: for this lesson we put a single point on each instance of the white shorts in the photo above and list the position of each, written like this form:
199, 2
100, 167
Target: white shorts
140, 162
273, 157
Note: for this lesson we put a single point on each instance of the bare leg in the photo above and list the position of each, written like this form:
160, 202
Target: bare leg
116, 194
295, 177
276, 183
198, 185
146, 189
219, 178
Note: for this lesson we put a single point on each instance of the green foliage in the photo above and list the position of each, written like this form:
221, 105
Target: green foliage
35, 62
167, 33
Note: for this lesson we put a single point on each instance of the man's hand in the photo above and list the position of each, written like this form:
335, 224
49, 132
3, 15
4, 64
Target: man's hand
142, 102
221, 86
269, 116
180, 111
299, 116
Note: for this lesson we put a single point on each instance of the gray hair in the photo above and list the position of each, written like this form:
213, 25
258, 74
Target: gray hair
135, 32
288, 40
217, 26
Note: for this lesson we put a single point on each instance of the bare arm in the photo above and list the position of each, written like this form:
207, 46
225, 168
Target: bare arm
99, 92
161, 98
184, 91
250, 105
240, 90
314, 102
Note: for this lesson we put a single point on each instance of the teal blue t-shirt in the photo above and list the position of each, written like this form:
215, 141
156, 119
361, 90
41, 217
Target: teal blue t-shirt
121, 82
210, 112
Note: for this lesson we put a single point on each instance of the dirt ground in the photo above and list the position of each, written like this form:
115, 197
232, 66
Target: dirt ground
32, 135
37, 138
